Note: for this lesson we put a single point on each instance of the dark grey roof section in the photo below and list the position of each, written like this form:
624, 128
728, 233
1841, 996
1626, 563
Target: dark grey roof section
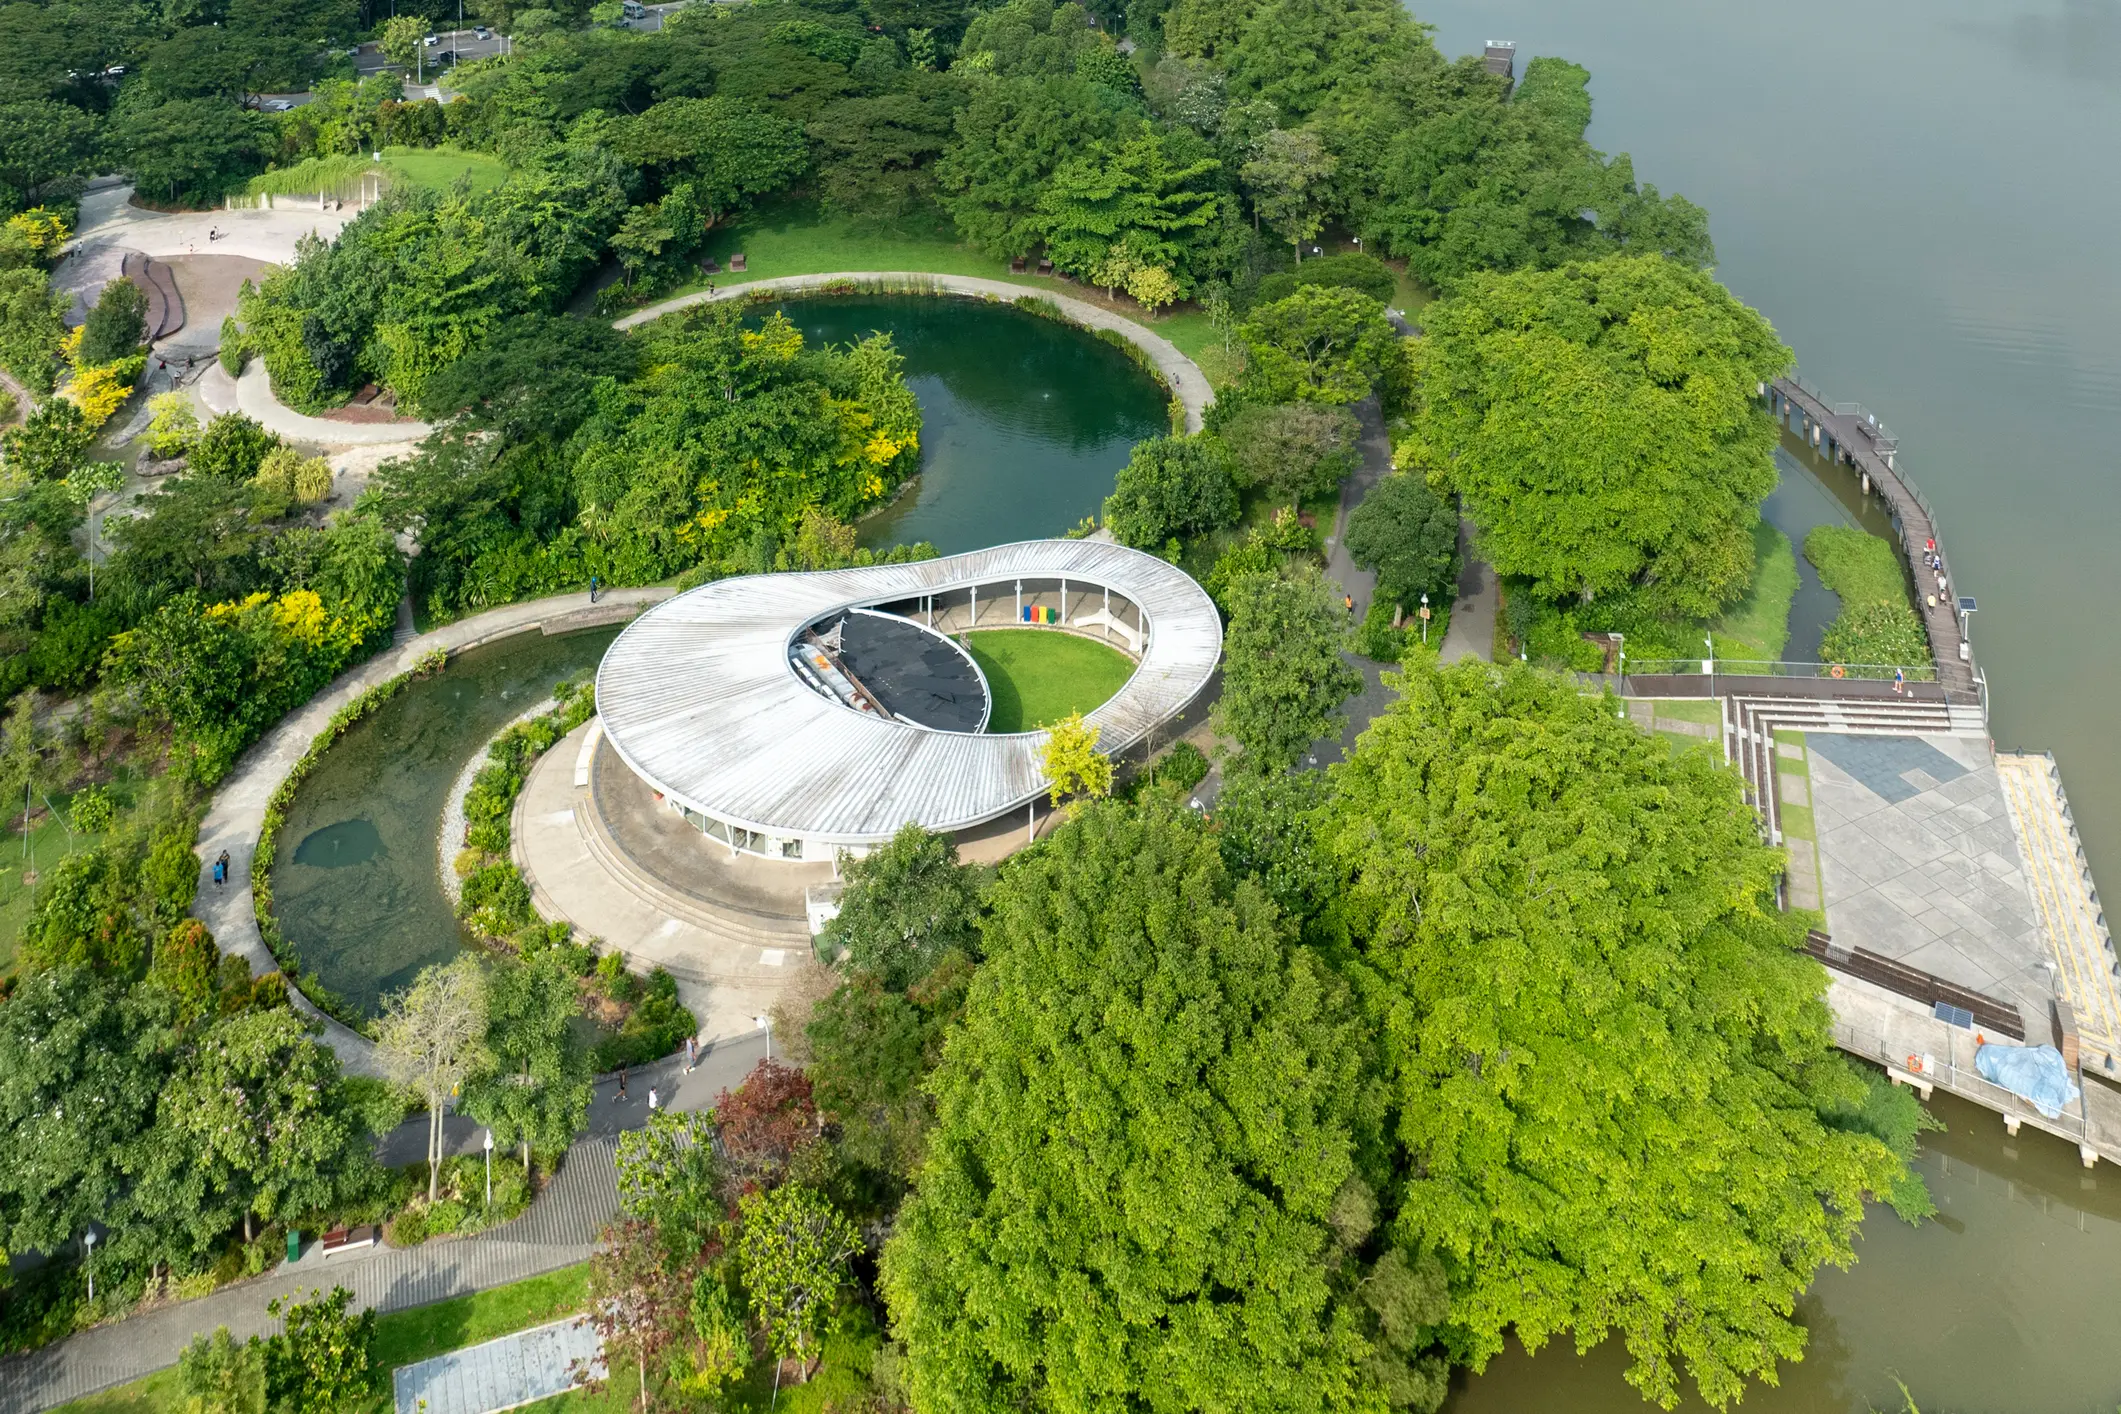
918, 674
699, 698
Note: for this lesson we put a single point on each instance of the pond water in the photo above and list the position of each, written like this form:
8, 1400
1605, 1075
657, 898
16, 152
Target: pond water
1025, 421
1914, 192
354, 880
1812, 492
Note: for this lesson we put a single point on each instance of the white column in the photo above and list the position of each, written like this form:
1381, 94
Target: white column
1019, 603
973, 622
1064, 601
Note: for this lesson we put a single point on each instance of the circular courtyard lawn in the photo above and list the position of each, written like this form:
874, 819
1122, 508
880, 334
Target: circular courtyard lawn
1039, 675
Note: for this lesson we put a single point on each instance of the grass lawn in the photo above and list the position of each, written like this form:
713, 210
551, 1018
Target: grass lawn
1038, 676
1758, 626
438, 167
402, 1337
1689, 709
1797, 822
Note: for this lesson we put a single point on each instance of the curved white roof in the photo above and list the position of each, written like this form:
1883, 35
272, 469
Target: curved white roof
697, 696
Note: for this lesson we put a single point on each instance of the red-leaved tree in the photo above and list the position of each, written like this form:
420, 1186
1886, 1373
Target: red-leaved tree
763, 1122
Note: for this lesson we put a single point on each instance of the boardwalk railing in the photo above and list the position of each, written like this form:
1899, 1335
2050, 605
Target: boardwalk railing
1765, 668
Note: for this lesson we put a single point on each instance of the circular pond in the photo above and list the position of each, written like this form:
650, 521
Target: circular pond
355, 885
1025, 424
1025, 421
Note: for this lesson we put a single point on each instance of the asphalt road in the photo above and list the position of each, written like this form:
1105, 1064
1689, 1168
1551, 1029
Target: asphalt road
462, 41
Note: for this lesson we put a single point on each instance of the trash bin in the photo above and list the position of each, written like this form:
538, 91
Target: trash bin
294, 1245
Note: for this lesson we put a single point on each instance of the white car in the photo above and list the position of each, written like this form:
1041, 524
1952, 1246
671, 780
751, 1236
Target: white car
432, 40
482, 33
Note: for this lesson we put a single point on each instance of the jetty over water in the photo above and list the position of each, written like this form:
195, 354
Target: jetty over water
1959, 910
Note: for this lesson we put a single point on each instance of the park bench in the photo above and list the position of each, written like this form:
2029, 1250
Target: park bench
736, 264
347, 1239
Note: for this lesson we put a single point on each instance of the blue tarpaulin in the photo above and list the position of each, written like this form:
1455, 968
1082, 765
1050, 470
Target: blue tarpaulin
2034, 1074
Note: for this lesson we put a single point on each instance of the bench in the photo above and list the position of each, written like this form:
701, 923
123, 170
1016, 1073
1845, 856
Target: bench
736, 264
346, 1239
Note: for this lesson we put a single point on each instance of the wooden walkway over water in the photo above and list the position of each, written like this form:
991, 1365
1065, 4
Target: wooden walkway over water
1845, 432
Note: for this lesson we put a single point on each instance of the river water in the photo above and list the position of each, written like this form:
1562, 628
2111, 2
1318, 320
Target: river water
1922, 195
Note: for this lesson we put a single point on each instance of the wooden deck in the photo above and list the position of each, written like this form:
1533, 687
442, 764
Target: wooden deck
1849, 436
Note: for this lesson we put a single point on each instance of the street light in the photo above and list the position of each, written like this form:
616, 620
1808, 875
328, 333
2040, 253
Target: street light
1424, 618
90, 1240
766, 1026
489, 1168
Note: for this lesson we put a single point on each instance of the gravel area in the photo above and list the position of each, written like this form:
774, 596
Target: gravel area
450, 838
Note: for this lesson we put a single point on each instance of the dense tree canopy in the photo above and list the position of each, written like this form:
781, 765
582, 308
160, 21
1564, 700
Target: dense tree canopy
1171, 486
1283, 677
1607, 1057
1408, 534
1145, 1069
1601, 426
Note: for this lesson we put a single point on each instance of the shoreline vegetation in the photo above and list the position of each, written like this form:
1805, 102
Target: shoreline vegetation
1354, 1013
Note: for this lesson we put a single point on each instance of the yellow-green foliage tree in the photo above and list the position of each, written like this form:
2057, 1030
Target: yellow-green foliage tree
1072, 761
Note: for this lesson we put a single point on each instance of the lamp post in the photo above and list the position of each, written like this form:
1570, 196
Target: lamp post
90, 1241
1424, 618
766, 1025
489, 1168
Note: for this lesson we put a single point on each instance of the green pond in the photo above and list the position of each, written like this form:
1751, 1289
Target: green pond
1025, 421
356, 884
1915, 192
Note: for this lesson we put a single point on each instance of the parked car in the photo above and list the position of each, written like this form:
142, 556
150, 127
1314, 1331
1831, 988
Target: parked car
277, 105
482, 33
447, 56
432, 40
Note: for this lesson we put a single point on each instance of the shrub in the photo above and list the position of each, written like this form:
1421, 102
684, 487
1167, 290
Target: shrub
92, 810
1886, 634
1353, 271
117, 326
1182, 767
233, 447
313, 481
409, 1228
235, 349
174, 428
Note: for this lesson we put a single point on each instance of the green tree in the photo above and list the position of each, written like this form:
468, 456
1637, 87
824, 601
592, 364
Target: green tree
247, 1128
1010, 139
232, 447
1289, 182
726, 148
1146, 1067
640, 238
535, 1089
640, 1300
80, 1066
402, 38
1584, 992
187, 965
1292, 450
433, 1038
1283, 675
41, 141
794, 1251
1600, 424
220, 1375
32, 322
1152, 194
324, 1361
1406, 533
1322, 344
1072, 762
193, 149
1170, 487
668, 1176
906, 906
117, 326
870, 1048
50, 444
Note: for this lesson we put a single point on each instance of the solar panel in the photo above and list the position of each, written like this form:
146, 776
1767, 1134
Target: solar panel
1953, 1015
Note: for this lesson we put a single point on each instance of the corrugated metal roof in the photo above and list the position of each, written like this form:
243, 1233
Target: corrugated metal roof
698, 697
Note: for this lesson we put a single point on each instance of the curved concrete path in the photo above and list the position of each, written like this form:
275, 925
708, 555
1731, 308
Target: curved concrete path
1187, 382
252, 395
237, 816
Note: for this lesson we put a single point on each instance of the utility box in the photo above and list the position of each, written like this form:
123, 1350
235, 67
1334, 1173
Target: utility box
294, 1245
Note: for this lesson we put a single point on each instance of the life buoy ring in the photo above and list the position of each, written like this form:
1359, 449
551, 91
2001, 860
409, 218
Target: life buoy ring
1914, 1065
1838, 671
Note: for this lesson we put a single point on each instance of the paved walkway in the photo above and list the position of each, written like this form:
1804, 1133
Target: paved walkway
1187, 382
252, 396
559, 1230
1473, 613
501, 1374
108, 218
237, 815
1360, 584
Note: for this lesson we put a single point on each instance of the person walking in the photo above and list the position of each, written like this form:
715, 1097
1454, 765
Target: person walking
221, 868
654, 1100
692, 1053
1349, 600
620, 1097
1899, 681
592, 589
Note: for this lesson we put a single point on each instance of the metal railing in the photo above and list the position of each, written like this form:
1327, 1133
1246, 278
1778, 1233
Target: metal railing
1766, 668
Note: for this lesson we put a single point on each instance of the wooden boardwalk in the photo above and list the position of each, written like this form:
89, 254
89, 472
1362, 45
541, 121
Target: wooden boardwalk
1843, 432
